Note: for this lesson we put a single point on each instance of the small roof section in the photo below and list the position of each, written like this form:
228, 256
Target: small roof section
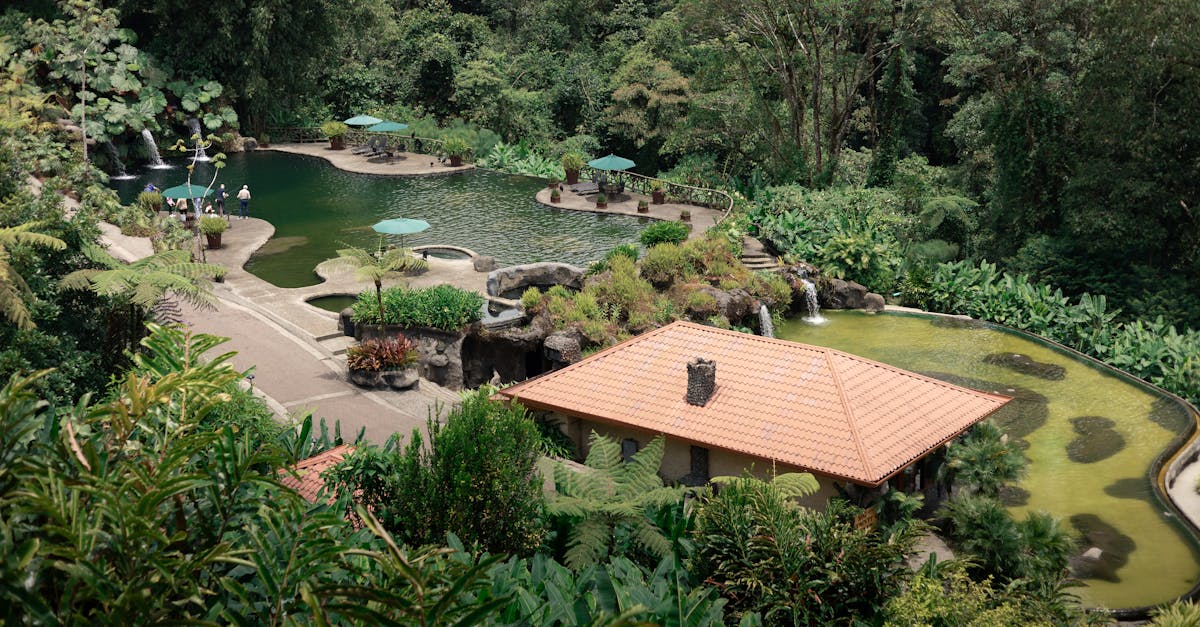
307, 480
808, 406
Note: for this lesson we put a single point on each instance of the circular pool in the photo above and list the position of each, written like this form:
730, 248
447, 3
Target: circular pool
317, 208
1091, 435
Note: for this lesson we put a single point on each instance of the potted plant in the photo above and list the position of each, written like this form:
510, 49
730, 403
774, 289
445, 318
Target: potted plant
553, 183
264, 140
601, 201
390, 361
456, 148
658, 193
212, 227
336, 132
685, 215
572, 162
643, 206
555, 195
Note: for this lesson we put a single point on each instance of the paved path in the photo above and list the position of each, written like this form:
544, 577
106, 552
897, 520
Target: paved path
296, 349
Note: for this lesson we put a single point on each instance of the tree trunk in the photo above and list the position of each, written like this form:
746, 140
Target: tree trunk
379, 298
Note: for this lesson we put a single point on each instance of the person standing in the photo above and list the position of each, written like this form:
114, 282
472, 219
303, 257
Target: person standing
221, 200
244, 200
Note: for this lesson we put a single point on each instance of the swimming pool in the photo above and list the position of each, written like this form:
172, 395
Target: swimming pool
317, 208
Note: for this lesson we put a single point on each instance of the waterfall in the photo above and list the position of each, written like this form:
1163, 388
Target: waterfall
194, 126
118, 167
810, 299
766, 328
156, 161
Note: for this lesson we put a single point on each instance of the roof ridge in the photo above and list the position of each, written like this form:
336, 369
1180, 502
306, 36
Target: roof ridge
851, 419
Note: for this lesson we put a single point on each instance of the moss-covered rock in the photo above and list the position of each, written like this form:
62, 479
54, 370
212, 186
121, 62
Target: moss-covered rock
1097, 440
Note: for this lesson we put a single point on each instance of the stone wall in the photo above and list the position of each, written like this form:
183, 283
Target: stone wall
441, 352
541, 275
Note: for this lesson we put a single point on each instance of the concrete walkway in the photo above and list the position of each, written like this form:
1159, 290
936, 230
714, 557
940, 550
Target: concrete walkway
295, 349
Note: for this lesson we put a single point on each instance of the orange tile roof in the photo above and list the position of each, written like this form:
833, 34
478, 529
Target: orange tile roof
817, 408
307, 478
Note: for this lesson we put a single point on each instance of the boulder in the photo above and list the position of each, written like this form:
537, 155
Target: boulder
511, 281
873, 302
562, 348
249, 144
839, 294
483, 263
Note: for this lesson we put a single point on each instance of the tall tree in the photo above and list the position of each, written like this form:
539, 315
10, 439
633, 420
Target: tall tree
803, 64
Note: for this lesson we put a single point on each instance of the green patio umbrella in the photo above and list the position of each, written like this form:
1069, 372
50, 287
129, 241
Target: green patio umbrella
387, 127
362, 120
401, 227
188, 190
611, 162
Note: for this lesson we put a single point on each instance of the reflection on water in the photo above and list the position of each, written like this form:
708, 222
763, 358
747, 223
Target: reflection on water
1091, 438
305, 197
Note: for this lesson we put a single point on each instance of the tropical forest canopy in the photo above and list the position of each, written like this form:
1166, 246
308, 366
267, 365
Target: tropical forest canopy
1062, 130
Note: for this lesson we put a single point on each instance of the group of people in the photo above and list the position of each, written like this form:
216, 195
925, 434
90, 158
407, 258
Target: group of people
181, 204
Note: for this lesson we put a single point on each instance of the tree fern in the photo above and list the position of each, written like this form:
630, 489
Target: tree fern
611, 499
13, 289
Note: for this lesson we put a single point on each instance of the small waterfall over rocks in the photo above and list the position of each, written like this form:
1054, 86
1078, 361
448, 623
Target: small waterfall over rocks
194, 126
119, 172
766, 328
156, 161
813, 307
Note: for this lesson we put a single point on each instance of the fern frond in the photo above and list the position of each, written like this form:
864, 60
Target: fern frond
588, 542
603, 452
651, 538
796, 484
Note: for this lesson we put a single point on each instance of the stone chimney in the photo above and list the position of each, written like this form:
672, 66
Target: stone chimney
702, 378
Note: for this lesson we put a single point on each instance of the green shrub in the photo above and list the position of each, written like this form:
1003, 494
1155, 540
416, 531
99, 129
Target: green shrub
624, 250
701, 304
624, 292
1032, 553
247, 415
531, 299
572, 161
333, 129
794, 566
1178, 614
442, 307
665, 264
476, 478
213, 225
149, 202
660, 232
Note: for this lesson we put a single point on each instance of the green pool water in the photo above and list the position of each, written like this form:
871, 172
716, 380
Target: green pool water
315, 208
1104, 493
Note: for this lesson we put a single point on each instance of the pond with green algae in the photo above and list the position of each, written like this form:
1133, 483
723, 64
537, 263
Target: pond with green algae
1091, 437
317, 208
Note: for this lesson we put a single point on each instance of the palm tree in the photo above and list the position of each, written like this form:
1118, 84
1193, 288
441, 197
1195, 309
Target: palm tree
142, 284
13, 288
376, 266
612, 495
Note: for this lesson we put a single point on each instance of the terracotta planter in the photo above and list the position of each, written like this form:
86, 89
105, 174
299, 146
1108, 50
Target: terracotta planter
572, 176
401, 379
337, 143
658, 196
555, 199
366, 378
643, 208
214, 240
686, 218
455, 161
602, 205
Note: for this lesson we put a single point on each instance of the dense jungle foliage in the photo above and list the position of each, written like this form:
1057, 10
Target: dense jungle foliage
1055, 139
1010, 159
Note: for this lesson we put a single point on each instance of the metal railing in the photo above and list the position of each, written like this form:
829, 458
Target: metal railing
675, 192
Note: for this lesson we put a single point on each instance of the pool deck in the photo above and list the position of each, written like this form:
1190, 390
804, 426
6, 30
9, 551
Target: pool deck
406, 164
295, 348
702, 218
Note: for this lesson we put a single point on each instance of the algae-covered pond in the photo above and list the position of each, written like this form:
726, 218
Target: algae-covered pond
1091, 437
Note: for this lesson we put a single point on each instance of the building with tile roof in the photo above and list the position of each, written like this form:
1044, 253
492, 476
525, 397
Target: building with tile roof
773, 406
307, 473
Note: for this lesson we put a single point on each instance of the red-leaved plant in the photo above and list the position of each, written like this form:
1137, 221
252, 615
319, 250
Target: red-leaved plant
387, 354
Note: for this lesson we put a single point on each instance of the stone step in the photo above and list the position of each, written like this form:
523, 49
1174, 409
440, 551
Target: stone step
330, 336
337, 344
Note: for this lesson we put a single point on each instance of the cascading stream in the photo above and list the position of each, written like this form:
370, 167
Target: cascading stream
194, 126
813, 307
766, 328
119, 172
156, 161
